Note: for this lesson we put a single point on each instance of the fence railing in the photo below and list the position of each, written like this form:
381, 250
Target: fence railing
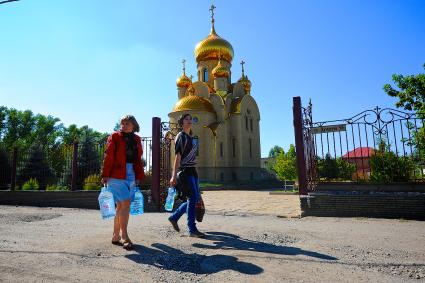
379, 145
65, 167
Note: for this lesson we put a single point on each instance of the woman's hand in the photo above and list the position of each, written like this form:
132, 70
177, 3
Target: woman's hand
173, 181
105, 180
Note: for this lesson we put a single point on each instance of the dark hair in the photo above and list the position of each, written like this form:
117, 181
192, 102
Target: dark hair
131, 119
180, 121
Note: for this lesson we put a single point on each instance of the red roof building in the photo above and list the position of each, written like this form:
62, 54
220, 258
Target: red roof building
360, 152
360, 158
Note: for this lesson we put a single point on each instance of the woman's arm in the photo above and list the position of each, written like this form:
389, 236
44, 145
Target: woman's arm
108, 159
139, 166
176, 166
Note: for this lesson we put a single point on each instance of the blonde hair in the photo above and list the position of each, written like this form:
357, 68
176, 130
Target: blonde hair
131, 119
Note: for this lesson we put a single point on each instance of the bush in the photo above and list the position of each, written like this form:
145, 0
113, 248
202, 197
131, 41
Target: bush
51, 188
92, 183
31, 185
387, 167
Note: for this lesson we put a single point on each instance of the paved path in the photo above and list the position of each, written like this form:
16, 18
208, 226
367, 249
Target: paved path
251, 202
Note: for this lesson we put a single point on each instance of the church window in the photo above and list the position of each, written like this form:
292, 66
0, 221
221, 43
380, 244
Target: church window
221, 149
246, 123
196, 141
250, 122
205, 75
250, 148
234, 147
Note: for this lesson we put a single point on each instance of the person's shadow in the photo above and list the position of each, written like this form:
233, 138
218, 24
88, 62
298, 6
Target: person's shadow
166, 257
227, 241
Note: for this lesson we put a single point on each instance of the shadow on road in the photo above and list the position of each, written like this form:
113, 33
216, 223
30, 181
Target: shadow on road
227, 241
166, 257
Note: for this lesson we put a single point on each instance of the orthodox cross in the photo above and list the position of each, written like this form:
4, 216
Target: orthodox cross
212, 12
243, 71
184, 66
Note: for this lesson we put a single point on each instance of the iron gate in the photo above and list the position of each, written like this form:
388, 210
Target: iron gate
379, 145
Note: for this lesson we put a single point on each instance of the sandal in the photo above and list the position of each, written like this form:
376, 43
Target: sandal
117, 242
127, 244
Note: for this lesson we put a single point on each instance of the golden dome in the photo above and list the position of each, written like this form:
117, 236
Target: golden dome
210, 47
220, 71
246, 83
183, 81
193, 102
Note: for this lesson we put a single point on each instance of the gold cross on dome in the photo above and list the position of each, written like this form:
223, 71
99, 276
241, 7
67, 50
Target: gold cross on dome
184, 65
243, 63
212, 11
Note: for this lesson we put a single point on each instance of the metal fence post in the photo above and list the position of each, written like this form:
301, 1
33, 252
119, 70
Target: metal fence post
156, 153
13, 173
299, 146
74, 166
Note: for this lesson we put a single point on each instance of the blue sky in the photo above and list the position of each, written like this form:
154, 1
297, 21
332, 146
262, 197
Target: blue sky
90, 62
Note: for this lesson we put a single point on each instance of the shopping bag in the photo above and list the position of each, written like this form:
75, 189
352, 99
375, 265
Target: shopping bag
199, 210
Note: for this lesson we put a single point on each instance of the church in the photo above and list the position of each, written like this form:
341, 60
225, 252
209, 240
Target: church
226, 118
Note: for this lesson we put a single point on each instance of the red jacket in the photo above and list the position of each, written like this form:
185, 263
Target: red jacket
114, 163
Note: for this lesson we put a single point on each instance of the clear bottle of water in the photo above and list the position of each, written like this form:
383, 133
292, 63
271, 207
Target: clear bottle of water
169, 202
136, 206
106, 204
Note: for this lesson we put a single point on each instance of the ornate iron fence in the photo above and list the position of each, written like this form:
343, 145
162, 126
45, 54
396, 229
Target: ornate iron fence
379, 145
168, 133
66, 166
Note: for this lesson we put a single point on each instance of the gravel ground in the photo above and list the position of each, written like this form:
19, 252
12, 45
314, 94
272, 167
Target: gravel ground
73, 245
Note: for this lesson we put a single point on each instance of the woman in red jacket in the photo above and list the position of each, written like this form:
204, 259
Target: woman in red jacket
122, 171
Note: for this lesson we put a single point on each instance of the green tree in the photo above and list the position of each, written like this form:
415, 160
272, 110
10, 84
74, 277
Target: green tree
410, 92
285, 165
387, 167
36, 167
275, 151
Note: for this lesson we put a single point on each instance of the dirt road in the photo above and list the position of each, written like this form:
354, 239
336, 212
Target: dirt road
73, 245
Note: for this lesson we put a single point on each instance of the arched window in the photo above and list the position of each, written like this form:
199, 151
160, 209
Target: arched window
221, 149
246, 122
250, 122
205, 75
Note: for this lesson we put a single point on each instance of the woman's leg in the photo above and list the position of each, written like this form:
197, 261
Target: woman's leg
116, 233
124, 214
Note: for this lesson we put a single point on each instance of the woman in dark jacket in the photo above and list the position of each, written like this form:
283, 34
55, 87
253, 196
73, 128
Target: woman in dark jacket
122, 171
185, 151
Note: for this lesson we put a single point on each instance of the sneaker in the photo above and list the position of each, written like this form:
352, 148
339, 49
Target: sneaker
174, 223
197, 234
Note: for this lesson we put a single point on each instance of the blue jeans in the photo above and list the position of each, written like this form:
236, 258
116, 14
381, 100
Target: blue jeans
189, 206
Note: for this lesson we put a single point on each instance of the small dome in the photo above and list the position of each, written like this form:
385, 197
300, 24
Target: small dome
246, 84
220, 71
210, 47
183, 81
193, 102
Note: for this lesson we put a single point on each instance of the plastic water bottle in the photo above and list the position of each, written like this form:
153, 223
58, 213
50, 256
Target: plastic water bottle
169, 202
136, 206
106, 204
